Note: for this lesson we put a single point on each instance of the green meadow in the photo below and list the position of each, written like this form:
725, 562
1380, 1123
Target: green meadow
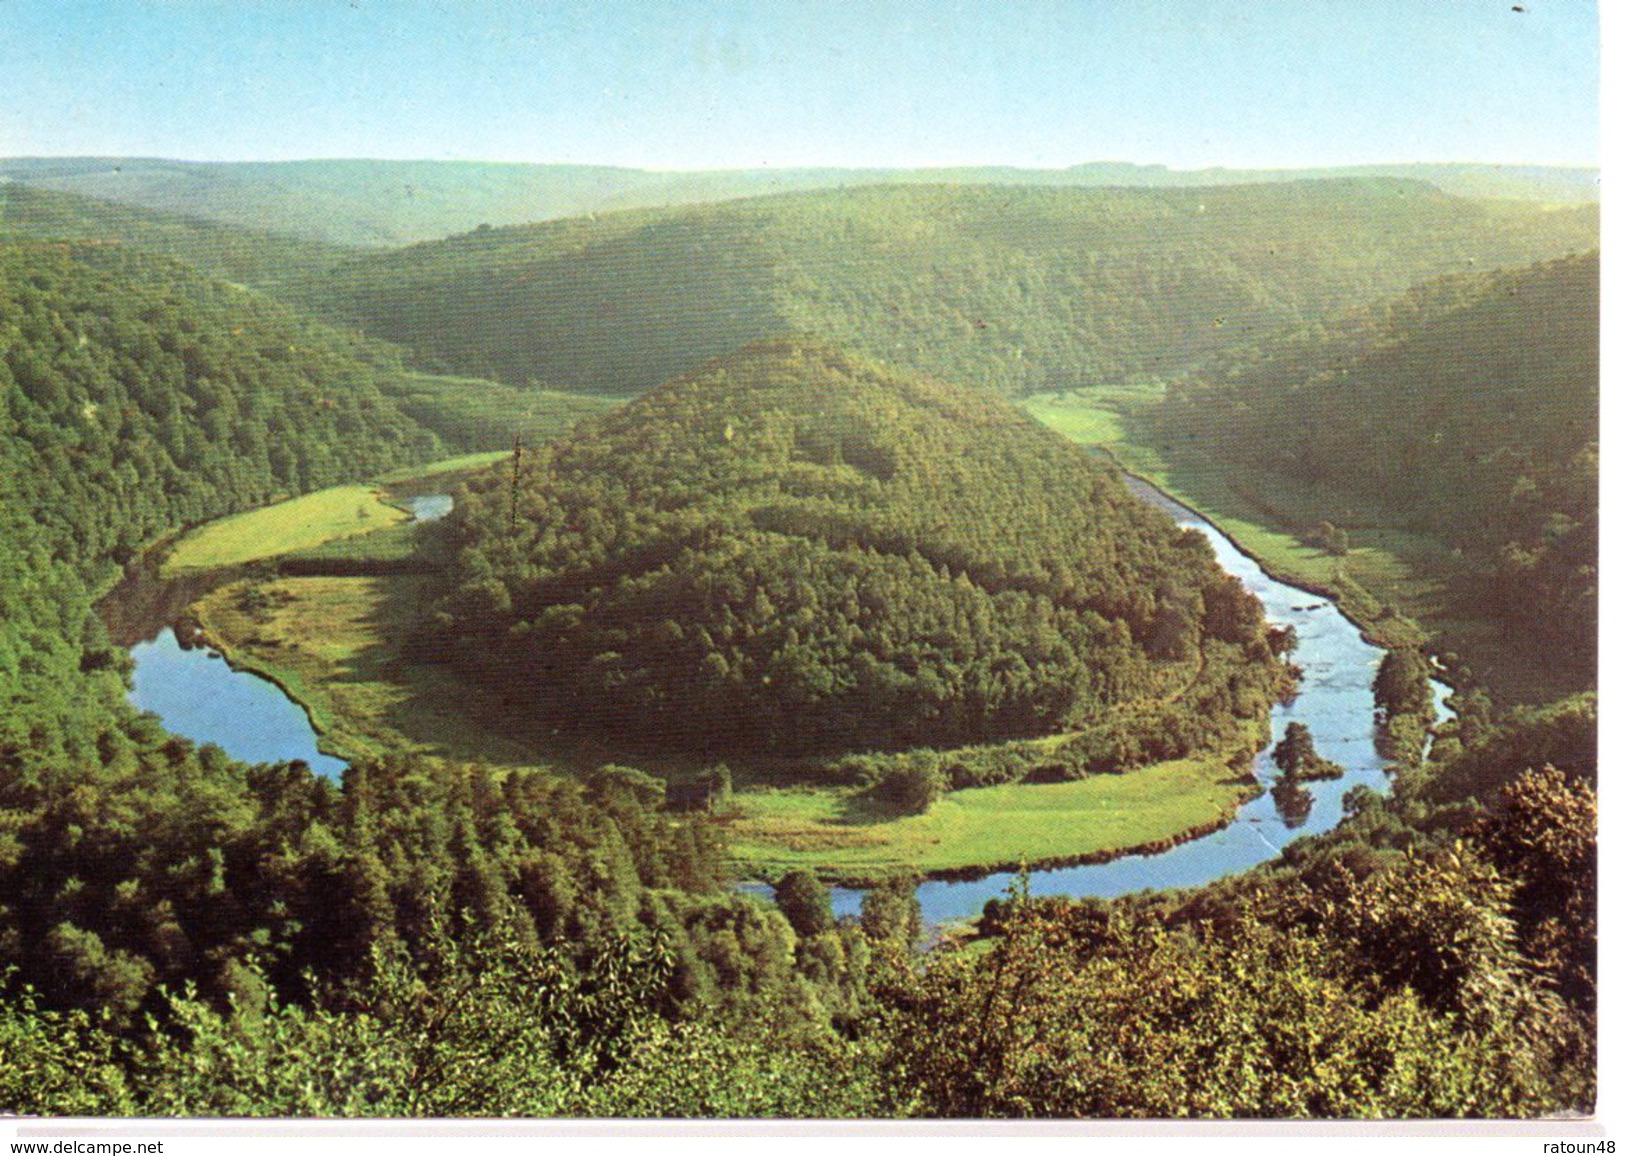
849, 837
334, 644
313, 521
463, 463
297, 524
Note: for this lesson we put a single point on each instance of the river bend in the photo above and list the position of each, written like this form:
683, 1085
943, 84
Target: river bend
198, 695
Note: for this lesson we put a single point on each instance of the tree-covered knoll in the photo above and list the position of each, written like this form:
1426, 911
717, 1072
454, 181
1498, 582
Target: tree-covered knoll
1007, 289
1466, 409
143, 876
795, 551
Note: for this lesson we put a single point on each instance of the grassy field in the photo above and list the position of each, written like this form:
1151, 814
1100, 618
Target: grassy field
1093, 417
848, 837
305, 524
1398, 584
297, 524
460, 464
392, 545
334, 643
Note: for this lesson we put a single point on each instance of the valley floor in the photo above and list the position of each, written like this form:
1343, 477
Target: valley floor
985, 828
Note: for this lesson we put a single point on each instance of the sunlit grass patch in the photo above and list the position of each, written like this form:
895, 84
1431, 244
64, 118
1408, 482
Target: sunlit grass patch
297, 524
777, 830
313, 520
1094, 416
460, 464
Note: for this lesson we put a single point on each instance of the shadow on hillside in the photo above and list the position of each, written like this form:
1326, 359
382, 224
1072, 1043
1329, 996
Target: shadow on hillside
864, 809
422, 700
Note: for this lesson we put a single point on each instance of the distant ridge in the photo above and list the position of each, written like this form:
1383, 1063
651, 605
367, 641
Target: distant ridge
1003, 288
385, 203
230, 252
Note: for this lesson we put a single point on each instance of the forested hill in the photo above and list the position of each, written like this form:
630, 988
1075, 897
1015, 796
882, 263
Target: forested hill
1005, 289
796, 551
232, 253
136, 396
1470, 404
139, 395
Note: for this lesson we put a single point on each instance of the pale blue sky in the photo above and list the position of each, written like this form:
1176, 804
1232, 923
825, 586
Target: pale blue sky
683, 84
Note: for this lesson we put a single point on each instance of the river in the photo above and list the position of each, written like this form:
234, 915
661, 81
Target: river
1334, 700
195, 693
198, 695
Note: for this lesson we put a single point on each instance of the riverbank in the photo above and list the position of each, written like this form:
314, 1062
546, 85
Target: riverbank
1105, 422
981, 831
336, 643
1402, 587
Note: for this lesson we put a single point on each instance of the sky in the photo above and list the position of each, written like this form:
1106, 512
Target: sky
693, 84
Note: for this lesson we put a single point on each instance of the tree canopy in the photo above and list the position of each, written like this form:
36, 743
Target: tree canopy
1466, 408
796, 551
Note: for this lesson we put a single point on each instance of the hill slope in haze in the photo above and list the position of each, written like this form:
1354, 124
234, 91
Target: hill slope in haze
1466, 409
232, 253
795, 551
1012, 290
468, 413
386, 203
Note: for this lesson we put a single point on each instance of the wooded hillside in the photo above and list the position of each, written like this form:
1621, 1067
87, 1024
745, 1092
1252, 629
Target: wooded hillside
1466, 409
1009, 290
794, 550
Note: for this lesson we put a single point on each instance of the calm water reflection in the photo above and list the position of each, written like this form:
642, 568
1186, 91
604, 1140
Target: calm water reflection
198, 695
430, 507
